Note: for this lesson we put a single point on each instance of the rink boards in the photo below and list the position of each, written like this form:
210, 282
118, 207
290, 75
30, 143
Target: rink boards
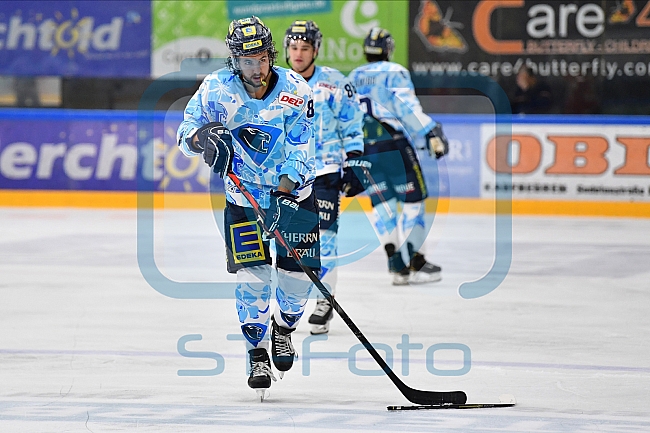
547, 165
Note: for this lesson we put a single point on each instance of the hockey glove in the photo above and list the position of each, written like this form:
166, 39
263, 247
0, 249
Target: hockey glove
215, 142
437, 142
354, 179
278, 216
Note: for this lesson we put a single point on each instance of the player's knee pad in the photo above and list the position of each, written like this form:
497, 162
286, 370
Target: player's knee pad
384, 220
412, 215
328, 251
253, 294
412, 224
328, 243
255, 274
292, 294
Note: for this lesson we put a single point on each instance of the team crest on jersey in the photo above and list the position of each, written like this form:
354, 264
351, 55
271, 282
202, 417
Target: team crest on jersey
257, 140
290, 100
254, 138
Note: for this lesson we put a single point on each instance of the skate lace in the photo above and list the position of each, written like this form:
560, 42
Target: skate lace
261, 368
283, 346
322, 307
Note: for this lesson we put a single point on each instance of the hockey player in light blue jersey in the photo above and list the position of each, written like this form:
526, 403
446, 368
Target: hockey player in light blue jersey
255, 120
394, 121
338, 128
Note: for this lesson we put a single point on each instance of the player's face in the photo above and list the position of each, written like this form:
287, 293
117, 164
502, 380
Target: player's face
255, 68
301, 54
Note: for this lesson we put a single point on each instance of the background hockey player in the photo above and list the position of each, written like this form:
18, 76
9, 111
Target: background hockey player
394, 122
256, 119
338, 129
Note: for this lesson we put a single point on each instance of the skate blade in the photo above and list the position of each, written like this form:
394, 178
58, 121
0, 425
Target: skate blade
423, 279
262, 393
319, 329
400, 280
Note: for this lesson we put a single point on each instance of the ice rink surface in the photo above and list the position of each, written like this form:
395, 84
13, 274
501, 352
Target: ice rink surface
89, 346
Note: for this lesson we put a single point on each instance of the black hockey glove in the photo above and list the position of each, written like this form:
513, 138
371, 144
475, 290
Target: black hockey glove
437, 142
278, 216
215, 143
354, 179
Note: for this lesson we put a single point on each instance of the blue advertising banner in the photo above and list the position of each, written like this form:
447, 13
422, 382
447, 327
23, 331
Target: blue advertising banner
116, 151
96, 151
458, 173
75, 38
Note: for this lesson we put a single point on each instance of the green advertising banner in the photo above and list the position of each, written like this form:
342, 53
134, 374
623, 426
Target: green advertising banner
196, 29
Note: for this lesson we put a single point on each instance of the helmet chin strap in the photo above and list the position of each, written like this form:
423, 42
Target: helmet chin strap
313, 59
254, 86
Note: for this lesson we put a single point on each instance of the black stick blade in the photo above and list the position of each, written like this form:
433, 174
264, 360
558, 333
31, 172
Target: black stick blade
433, 397
451, 406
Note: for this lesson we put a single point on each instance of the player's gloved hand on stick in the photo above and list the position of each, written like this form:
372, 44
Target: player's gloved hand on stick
215, 143
354, 179
278, 216
437, 142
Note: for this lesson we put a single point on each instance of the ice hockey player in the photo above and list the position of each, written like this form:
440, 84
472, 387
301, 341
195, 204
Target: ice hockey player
255, 119
393, 124
338, 128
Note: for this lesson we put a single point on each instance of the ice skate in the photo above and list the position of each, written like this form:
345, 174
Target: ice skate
260, 372
321, 317
282, 350
423, 271
396, 266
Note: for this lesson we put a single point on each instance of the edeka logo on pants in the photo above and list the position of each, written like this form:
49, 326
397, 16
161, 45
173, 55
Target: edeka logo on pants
246, 242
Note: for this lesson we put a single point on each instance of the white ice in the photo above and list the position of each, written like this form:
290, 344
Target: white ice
87, 345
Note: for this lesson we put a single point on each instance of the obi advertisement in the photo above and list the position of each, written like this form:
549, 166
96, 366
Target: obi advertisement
75, 38
574, 161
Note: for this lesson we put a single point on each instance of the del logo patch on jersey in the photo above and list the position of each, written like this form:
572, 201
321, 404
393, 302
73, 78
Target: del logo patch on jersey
246, 242
290, 100
326, 85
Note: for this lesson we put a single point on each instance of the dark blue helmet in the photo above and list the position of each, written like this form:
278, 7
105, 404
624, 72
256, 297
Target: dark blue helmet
379, 43
307, 31
249, 36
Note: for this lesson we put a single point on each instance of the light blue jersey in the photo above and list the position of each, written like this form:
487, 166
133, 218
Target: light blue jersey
338, 120
272, 136
386, 92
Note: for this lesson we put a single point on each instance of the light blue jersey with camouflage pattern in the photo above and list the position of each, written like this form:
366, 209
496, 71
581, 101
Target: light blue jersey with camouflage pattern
272, 136
338, 120
386, 92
